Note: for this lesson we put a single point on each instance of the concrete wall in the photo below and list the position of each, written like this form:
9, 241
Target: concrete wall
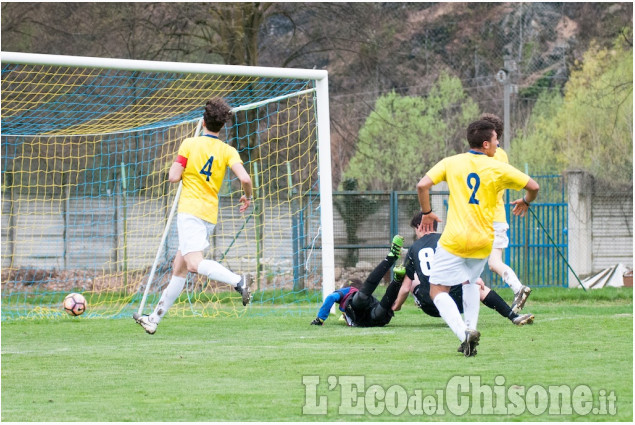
87, 233
600, 226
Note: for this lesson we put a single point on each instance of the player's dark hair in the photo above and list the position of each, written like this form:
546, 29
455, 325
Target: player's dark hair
416, 221
479, 132
217, 113
496, 120
354, 282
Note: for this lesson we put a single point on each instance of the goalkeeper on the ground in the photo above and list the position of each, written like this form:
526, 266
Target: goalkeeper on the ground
356, 301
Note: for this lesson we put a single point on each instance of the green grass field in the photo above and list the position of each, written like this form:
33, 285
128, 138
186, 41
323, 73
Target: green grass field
252, 368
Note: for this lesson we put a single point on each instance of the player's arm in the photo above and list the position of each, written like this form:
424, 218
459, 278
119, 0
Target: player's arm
245, 181
406, 285
521, 206
323, 314
403, 293
177, 168
423, 192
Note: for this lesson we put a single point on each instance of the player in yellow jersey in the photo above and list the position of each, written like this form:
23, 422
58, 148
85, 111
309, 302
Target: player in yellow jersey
501, 241
474, 179
201, 164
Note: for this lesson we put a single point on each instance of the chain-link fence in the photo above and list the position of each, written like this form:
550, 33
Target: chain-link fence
539, 249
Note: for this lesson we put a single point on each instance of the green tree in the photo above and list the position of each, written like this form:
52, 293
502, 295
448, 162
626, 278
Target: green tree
534, 146
404, 135
591, 126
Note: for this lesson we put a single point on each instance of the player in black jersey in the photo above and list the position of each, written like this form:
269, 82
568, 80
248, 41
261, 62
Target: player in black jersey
417, 263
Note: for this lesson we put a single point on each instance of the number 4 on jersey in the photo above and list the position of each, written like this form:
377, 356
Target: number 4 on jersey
207, 168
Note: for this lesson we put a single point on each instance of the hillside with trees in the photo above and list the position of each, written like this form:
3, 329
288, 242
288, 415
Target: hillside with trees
390, 62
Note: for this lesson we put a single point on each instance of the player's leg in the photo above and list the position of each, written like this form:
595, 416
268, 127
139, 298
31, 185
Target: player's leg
448, 310
448, 270
471, 304
382, 312
491, 299
392, 291
173, 290
168, 296
521, 292
193, 240
471, 291
216, 271
361, 299
498, 266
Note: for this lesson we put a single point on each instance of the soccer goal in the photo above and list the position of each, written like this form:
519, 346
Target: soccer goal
86, 205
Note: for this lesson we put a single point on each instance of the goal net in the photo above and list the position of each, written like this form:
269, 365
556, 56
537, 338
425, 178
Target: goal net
86, 205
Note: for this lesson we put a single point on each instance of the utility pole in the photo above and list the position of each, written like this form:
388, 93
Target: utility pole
503, 76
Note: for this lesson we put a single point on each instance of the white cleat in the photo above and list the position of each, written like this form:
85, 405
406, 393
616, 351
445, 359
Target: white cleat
243, 288
521, 298
524, 319
145, 322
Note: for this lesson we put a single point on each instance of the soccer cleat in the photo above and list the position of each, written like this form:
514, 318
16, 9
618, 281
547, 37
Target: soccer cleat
145, 322
521, 298
243, 288
472, 338
524, 319
399, 273
317, 321
395, 248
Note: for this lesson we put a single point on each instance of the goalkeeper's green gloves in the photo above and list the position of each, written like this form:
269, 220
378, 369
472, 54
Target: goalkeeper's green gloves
317, 321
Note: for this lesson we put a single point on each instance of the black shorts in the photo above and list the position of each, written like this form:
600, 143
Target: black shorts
427, 305
372, 315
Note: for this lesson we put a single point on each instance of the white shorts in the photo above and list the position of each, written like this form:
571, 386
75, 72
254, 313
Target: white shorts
500, 235
194, 233
449, 269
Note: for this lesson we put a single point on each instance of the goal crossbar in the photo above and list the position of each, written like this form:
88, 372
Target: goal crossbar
156, 66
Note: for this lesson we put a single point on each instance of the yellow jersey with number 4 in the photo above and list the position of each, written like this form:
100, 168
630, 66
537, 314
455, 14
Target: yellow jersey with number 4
206, 159
474, 181
500, 215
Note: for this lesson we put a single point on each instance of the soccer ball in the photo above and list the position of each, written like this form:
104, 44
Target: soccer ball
74, 304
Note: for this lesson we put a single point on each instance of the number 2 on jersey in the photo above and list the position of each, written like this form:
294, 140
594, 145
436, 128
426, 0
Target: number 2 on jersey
207, 168
473, 177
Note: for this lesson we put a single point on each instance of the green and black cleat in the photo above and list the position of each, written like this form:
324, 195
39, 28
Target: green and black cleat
399, 272
395, 248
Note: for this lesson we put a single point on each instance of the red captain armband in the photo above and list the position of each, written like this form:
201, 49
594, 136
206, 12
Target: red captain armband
181, 160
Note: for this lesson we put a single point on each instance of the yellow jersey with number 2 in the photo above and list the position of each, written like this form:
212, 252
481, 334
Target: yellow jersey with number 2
474, 180
206, 159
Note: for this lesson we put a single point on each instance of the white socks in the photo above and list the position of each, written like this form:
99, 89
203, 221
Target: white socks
510, 278
169, 295
450, 313
209, 268
215, 271
471, 304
